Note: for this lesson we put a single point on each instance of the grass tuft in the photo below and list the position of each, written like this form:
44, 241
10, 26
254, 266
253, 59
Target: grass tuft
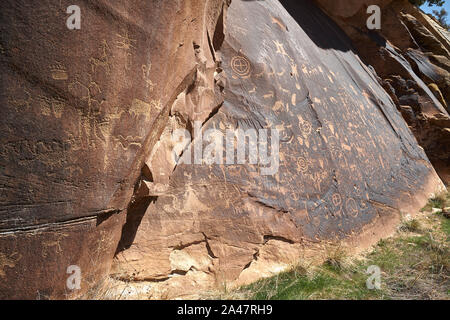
440, 201
412, 225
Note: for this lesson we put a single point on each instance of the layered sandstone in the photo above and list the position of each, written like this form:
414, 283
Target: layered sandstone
88, 176
348, 161
82, 109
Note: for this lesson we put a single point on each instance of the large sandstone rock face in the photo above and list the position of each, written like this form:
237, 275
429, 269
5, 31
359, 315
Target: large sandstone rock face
348, 162
88, 176
411, 55
81, 111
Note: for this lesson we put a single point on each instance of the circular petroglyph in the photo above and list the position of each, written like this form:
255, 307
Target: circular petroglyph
302, 165
334, 146
337, 199
305, 127
240, 66
352, 207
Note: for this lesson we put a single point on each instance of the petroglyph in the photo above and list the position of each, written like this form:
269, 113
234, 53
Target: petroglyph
337, 199
305, 127
302, 165
53, 246
241, 66
127, 142
104, 60
21, 104
125, 42
139, 107
84, 137
279, 105
146, 68
58, 71
8, 261
279, 23
352, 207
280, 49
51, 106
269, 95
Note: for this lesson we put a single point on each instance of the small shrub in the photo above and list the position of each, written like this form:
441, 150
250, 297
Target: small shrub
335, 258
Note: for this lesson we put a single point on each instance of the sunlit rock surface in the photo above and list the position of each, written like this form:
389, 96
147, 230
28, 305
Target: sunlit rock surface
348, 162
87, 171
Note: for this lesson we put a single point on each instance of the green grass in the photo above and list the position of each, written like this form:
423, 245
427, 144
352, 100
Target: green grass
440, 201
325, 283
412, 225
445, 225
415, 264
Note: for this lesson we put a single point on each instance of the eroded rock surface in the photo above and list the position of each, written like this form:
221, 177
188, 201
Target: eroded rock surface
87, 173
348, 162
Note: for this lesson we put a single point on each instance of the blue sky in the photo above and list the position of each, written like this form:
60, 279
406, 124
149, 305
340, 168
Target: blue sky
428, 9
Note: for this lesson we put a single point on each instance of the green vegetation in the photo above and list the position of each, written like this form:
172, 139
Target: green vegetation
415, 264
412, 225
441, 16
429, 2
326, 282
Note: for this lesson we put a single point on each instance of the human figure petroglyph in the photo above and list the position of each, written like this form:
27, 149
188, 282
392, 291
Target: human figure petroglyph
103, 61
146, 68
127, 44
281, 50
